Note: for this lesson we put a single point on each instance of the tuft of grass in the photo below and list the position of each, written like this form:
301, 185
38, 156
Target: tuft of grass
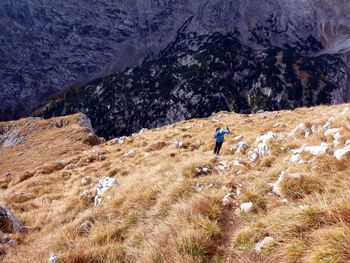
330, 245
299, 188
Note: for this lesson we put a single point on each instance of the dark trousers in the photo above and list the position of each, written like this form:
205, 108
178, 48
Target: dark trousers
217, 147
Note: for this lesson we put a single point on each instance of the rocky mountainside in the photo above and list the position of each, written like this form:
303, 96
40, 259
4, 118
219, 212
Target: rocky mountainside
48, 45
197, 75
279, 192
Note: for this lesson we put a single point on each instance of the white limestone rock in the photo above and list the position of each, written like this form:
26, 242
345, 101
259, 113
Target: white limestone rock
12, 138
53, 259
340, 153
299, 128
241, 147
262, 143
263, 244
247, 207
202, 170
252, 156
178, 143
130, 153
102, 186
317, 150
86, 180
295, 158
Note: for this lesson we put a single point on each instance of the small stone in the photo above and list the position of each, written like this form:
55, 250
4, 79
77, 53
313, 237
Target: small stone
85, 227
263, 244
53, 259
130, 153
247, 207
340, 153
102, 186
86, 180
241, 147
177, 143
252, 156
317, 150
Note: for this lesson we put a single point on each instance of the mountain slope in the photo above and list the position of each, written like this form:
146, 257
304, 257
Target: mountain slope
197, 75
47, 46
284, 180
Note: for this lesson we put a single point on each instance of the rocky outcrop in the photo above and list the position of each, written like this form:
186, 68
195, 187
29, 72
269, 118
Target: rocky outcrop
9, 223
48, 46
200, 74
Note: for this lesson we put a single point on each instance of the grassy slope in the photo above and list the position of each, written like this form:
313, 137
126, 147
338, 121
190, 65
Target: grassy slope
161, 211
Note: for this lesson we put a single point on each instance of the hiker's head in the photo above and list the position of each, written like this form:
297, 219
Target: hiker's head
218, 129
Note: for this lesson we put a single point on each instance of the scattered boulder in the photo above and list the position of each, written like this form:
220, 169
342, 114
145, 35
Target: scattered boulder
300, 128
252, 156
101, 157
53, 259
120, 140
247, 207
130, 153
102, 186
12, 138
340, 153
9, 223
86, 180
317, 150
241, 147
177, 143
263, 244
84, 121
262, 146
335, 132
85, 227
202, 170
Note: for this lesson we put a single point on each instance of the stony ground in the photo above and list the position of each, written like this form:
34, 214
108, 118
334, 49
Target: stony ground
278, 193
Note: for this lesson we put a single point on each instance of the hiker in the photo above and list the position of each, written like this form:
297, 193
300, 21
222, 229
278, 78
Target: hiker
219, 138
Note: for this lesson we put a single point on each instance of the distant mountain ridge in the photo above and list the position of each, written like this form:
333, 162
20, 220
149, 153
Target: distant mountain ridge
47, 46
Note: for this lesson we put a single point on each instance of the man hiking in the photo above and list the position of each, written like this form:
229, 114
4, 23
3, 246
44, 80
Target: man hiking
219, 138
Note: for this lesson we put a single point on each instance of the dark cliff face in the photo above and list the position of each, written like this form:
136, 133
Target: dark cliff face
47, 45
197, 75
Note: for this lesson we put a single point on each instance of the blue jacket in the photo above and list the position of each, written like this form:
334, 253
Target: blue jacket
220, 135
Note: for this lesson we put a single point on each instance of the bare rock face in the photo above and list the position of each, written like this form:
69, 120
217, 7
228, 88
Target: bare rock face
9, 223
47, 46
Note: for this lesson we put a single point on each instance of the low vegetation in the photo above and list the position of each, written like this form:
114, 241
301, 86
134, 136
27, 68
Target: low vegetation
176, 202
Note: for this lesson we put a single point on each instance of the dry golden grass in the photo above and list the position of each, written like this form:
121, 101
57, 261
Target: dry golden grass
162, 209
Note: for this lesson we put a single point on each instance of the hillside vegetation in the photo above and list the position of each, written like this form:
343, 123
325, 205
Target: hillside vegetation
278, 193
